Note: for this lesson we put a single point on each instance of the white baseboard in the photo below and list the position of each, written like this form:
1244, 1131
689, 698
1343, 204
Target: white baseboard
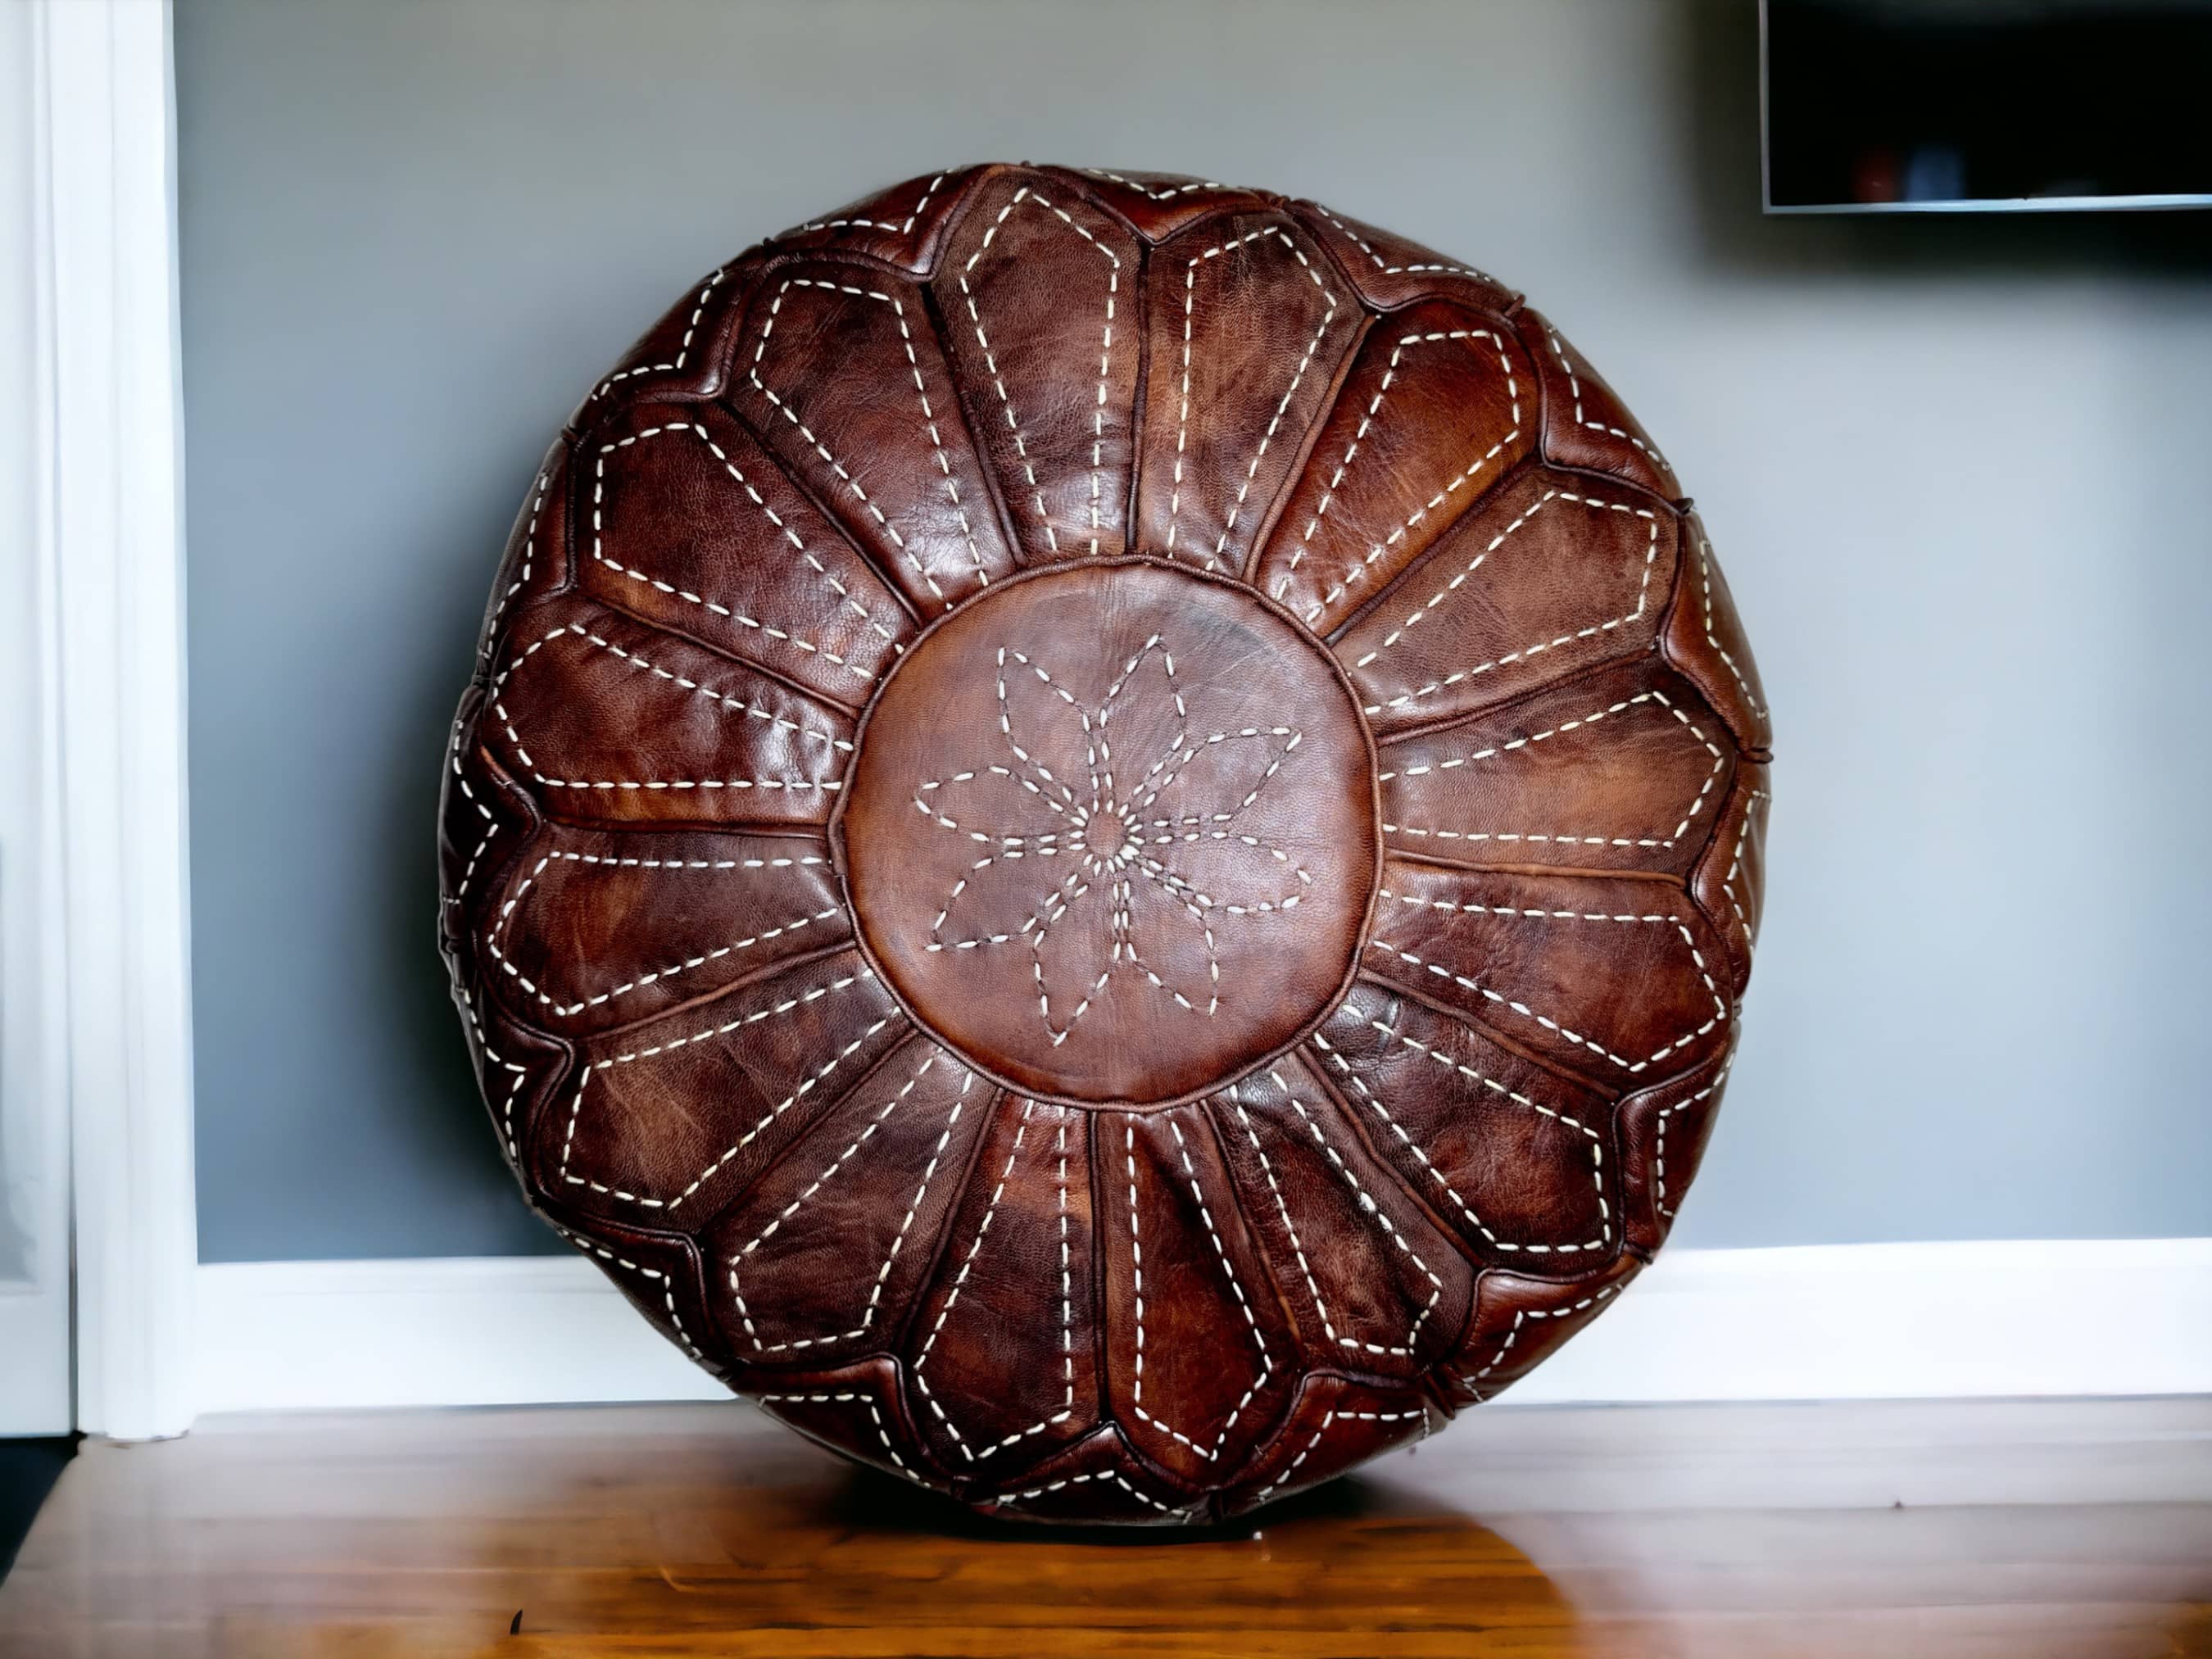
1861, 1322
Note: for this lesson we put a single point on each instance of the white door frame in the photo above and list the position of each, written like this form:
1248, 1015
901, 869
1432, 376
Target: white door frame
34, 1170
114, 1032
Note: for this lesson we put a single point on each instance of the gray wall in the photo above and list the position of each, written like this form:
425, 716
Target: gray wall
1957, 472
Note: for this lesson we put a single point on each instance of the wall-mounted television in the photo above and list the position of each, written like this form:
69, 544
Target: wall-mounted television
1983, 106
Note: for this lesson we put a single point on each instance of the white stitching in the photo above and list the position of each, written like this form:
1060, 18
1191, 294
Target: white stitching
1697, 957
903, 227
1396, 271
667, 1285
1358, 572
690, 864
577, 1110
1659, 698
922, 206
569, 1010
1470, 1382
928, 426
846, 1397
1642, 592
1167, 195
491, 822
898, 1243
1736, 862
1182, 415
1067, 1306
529, 553
1333, 1417
998, 380
1706, 580
960, 1282
1077, 1480
1367, 1205
513, 1088
1374, 1212
796, 785
1137, 1270
1109, 872
682, 351
1575, 386
1659, 1142
846, 601
507, 911
1604, 1241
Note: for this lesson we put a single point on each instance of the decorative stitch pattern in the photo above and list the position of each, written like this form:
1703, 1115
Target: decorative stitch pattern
1659, 1138
775, 1112
1326, 1422
1575, 390
1078, 1479
1631, 1067
667, 1285
1368, 249
492, 939
723, 701
848, 1397
1428, 606
1705, 585
904, 227
1168, 194
1735, 863
1137, 1269
529, 553
928, 425
1368, 1208
682, 350
1465, 475
960, 1283
517, 1076
1656, 699
999, 379
761, 1343
1120, 815
782, 636
1596, 1146
1473, 1383
1182, 405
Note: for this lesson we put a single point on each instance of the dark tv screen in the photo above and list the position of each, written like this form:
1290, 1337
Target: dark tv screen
1962, 105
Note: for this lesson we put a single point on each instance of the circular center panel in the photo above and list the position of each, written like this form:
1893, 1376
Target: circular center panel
1111, 834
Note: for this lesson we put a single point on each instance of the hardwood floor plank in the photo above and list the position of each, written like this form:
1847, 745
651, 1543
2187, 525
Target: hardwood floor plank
2006, 1528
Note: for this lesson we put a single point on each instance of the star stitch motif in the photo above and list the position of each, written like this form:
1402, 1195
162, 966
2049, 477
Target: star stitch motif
1107, 881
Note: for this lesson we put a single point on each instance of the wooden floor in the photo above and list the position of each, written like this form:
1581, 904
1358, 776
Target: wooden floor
2001, 1529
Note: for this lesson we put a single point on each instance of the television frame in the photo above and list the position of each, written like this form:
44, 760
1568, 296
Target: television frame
1769, 206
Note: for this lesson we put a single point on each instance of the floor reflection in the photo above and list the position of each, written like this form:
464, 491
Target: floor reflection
2016, 1529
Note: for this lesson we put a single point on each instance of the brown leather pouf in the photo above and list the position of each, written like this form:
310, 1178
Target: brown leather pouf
1107, 838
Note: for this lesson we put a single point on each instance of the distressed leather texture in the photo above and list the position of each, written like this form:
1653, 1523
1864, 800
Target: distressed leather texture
1107, 838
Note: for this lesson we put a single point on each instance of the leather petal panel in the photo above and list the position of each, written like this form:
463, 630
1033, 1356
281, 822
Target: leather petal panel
1619, 770
1550, 574
1514, 1159
841, 375
1016, 1256
1621, 981
688, 523
672, 1120
1435, 412
1050, 404
1248, 321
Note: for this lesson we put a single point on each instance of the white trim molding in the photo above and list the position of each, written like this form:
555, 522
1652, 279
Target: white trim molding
112, 588
35, 1395
2126, 1316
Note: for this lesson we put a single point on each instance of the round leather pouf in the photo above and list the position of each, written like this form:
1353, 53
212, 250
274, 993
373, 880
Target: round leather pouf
1107, 839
